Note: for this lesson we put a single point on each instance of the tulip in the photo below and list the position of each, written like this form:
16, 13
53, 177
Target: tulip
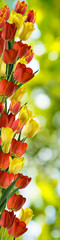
4, 15
31, 16
4, 160
7, 135
25, 114
16, 164
18, 228
26, 215
11, 119
17, 148
7, 88
10, 56
26, 31
15, 202
29, 56
5, 179
23, 74
8, 31
1, 107
16, 18
3, 120
22, 49
20, 7
31, 128
0, 141
15, 106
23, 181
2, 68
17, 125
18, 95
7, 219
2, 44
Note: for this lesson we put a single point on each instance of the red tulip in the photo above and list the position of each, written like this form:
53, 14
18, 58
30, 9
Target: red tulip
5, 179
23, 74
22, 49
7, 219
7, 88
17, 125
17, 148
1, 107
10, 56
8, 31
31, 16
2, 44
20, 7
3, 120
23, 181
29, 56
16, 202
15, 106
18, 228
4, 160
11, 119
0, 141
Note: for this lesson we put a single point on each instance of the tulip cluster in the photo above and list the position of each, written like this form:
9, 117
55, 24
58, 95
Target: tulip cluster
13, 75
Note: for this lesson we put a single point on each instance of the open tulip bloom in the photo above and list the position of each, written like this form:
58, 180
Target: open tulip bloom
12, 147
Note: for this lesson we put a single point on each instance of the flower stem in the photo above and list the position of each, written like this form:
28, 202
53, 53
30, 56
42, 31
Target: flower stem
3, 234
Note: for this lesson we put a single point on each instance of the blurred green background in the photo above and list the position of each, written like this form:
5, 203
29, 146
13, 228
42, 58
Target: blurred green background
43, 96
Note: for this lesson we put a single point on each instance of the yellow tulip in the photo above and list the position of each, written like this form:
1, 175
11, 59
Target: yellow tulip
2, 68
16, 18
16, 164
26, 30
26, 215
31, 128
7, 135
25, 114
18, 95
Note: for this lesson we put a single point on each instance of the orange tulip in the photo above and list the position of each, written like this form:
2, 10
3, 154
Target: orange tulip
31, 16
23, 181
15, 106
18, 228
8, 31
15, 202
23, 74
4, 160
5, 179
10, 56
22, 49
7, 88
17, 148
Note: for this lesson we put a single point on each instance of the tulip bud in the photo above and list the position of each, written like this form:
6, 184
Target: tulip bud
31, 128
16, 164
26, 215
31, 16
25, 114
14, 106
20, 7
16, 18
7, 135
26, 30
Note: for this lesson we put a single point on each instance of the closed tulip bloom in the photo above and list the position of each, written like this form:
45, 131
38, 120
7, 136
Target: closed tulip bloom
3, 120
11, 119
16, 164
8, 31
7, 135
25, 114
5, 179
1, 107
26, 215
16, 18
2, 68
15, 202
4, 15
18, 95
23, 181
7, 88
10, 56
29, 56
23, 74
31, 128
18, 228
31, 16
17, 148
22, 49
7, 219
14, 106
17, 125
4, 160
21, 7
26, 31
